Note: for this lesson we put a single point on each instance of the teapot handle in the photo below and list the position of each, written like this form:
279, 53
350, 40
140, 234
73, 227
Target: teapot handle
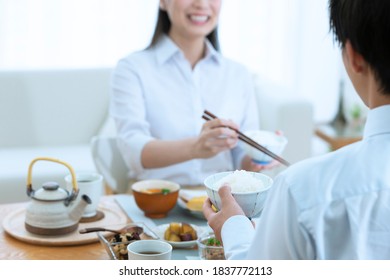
75, 189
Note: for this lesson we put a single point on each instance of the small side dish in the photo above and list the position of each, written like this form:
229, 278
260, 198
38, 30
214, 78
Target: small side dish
191, 202
196, 203
120, 241
116, 243
179, 235
210, 248
178, 232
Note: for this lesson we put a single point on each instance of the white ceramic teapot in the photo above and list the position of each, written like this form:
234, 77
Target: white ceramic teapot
51, 210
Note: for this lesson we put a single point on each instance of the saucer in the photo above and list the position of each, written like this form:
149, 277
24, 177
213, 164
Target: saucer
97, 217
13, 224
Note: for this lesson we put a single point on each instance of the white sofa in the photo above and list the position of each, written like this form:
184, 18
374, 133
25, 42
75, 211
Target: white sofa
55, 113
48, 113
282, 109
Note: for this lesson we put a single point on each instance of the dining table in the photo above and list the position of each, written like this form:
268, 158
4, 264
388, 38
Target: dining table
120, 209
12, 248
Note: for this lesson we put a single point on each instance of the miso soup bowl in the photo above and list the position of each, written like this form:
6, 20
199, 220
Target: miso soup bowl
155, 204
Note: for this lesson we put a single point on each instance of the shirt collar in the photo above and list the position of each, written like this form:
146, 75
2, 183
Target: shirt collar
212, 53
378, 120
166, 49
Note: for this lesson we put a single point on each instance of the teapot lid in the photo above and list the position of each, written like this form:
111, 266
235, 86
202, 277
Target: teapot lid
51, 191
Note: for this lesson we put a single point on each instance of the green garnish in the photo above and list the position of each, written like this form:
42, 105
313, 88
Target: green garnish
213, 242
165, 191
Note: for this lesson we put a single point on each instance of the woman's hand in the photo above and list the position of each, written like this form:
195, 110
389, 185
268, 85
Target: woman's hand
215, 137
249, 165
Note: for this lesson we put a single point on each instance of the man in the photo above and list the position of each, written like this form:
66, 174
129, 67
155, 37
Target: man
336, 206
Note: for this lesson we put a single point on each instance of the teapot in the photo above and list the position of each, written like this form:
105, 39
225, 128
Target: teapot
51, 210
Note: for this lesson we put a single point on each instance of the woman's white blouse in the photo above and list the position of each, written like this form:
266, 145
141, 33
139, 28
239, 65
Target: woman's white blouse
157, 95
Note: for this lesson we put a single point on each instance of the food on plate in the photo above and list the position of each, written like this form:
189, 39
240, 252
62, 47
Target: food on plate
241, 181
179, 232
211, 249
212, 241
156, 191
196, 203
120, 241
172, 233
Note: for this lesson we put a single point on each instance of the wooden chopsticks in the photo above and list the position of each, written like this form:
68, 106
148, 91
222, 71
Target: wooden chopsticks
209, 116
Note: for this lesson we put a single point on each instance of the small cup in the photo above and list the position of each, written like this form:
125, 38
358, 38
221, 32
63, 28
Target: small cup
149, 250
208, 248
90, 184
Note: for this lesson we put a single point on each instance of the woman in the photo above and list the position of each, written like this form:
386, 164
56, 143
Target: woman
160, 93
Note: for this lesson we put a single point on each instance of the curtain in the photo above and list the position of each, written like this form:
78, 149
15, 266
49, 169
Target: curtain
288, 42
72, 33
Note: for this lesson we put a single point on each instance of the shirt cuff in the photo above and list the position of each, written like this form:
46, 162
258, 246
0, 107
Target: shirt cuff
236, 243
131, 150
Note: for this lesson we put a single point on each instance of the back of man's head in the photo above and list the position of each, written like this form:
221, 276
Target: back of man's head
366, 24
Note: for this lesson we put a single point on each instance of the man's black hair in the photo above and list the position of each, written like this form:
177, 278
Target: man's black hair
366, 24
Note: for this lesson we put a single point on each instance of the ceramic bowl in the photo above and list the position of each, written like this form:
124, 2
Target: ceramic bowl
209, 248
251, 202
155, 204
116, 244
268, 139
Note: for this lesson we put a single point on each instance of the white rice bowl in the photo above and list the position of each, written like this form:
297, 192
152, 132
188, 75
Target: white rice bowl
249, 189
241, 181
268, 139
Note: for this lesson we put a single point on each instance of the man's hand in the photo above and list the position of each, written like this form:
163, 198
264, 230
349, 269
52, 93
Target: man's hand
229, 208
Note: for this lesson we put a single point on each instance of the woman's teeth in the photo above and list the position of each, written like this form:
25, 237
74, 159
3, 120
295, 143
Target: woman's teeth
199, 18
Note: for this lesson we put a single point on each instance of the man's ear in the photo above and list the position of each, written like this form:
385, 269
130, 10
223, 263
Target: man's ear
162, 5
357, 63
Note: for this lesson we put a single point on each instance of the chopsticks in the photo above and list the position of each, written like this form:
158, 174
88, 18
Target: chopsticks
209, 116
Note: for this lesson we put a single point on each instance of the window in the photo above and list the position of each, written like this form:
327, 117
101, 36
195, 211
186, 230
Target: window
286, 41
72, 33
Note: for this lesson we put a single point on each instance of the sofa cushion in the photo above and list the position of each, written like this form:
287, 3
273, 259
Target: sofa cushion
52, 107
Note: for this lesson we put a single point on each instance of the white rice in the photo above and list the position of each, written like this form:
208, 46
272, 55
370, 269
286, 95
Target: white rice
240, 181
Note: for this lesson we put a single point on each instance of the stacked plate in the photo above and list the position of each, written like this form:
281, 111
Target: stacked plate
192, 201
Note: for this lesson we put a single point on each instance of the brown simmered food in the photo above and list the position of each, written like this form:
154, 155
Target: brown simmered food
178, 232
120, 241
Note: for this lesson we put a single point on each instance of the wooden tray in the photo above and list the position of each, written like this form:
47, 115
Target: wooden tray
13, 224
